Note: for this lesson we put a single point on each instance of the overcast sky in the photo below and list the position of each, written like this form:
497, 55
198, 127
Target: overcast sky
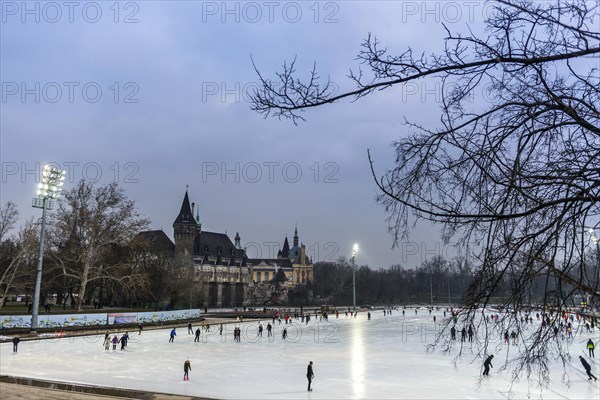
152, 94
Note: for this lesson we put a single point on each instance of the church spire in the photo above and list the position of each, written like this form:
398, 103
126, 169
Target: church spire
296, 237
286, 249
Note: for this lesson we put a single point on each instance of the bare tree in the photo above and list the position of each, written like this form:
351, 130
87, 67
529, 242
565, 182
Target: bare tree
515, 177
89, 227
9, 215
18, 256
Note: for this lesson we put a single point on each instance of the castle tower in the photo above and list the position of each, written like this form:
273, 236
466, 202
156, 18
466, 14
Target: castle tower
185, 229
237, 241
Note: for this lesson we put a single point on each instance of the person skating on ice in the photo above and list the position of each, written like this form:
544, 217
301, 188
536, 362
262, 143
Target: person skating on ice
15, 342
197, 338
588, 368
190, 329
186, 368
172, 336
309, 374
590, 346
487, 364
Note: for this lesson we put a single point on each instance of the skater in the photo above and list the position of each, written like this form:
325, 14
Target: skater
115, 340
197, 338
126, 338
260, 329
369, 316
590, 346
190, 330
269, 328
123, 341
470, 333
453, 333
140, 327
106, 343
588, 369
221, 330
284, 334
15, 341
487, 364
309, 375
186, 368
463, 334
172, 336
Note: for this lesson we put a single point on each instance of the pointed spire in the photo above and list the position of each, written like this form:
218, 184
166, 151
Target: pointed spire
237, 241
296, 237
185, 214
285, 252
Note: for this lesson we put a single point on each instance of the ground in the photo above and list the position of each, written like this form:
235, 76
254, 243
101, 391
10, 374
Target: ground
384, 358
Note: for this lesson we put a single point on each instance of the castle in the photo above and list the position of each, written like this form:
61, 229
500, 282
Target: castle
223, 274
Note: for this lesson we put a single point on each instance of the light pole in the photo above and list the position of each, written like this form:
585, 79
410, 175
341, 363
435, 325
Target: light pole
48, 189
354, 254
431, 285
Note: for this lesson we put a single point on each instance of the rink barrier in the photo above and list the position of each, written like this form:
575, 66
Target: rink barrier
89, 389
58, 321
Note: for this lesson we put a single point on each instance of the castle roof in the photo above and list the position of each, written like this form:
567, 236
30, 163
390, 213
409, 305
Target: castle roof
215, 244
156, 240
185, 214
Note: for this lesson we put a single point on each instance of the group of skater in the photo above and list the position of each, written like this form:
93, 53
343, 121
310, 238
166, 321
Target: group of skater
115, 340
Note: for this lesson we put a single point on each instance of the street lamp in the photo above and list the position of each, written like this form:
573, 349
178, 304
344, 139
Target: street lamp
48, 189
354, 254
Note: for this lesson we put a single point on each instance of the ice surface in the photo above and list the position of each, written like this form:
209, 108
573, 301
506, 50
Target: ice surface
384, 358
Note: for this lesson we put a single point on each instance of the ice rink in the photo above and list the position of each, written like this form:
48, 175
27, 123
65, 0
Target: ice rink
384, 358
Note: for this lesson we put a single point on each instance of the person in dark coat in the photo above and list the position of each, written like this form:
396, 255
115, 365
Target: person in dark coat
186, 368
487, 364
15, 341
197, 338
190, 330
309, 374
588, 369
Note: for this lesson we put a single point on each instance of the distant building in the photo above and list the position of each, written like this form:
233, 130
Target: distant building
294, 262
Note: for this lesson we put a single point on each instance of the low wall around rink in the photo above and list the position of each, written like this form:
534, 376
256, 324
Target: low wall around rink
95, 319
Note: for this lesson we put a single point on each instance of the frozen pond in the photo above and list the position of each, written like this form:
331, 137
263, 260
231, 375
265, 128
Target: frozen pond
384, 358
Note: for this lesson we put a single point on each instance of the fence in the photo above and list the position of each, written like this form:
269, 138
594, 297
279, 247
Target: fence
71, 320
